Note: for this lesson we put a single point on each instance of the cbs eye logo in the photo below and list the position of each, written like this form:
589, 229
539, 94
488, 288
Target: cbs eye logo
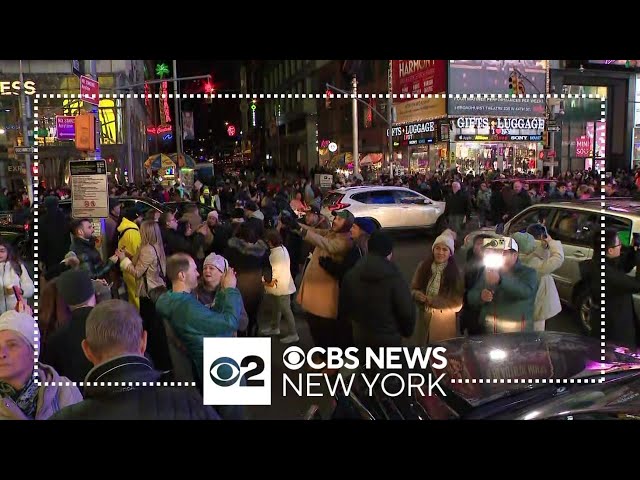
225, 371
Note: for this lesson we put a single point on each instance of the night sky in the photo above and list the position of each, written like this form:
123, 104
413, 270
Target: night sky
209, 119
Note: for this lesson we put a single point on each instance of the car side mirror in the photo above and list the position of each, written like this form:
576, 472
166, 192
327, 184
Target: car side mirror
500, 228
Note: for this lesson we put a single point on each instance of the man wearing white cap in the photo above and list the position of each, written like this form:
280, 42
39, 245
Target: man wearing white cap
506, 289
22, 397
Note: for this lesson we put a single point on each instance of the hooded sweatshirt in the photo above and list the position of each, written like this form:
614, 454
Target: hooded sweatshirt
376, 299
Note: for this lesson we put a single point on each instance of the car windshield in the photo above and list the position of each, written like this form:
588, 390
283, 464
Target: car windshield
481, 370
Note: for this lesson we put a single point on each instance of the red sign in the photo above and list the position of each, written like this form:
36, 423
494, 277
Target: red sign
583, 146
418, 77
159, 129
89, 90
231, 130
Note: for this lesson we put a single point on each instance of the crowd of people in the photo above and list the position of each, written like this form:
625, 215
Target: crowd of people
135, 304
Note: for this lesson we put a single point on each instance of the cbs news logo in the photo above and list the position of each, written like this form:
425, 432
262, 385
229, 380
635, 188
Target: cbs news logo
237, 371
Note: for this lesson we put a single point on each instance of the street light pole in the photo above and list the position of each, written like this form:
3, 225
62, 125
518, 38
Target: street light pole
354, 110
26, 114
390, 123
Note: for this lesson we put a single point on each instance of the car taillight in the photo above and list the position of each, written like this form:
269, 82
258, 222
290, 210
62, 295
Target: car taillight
338, 206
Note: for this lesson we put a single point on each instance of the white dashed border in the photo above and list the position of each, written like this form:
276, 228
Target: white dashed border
34, 235
603, 205
224, 96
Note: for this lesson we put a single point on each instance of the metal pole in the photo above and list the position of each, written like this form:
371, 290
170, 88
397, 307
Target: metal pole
129, 115
96, 155
390, 120
354, 110
178, 118
26, 115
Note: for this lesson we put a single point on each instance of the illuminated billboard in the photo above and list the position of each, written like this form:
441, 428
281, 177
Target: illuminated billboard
492, 77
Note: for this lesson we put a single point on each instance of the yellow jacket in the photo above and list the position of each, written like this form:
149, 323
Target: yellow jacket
131, 237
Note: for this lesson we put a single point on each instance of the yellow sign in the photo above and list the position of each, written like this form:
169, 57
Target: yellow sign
420, 109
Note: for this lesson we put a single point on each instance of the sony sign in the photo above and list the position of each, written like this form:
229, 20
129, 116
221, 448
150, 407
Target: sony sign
13, 88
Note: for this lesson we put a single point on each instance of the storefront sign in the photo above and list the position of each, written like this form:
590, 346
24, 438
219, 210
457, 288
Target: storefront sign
505, 129
505, 123
418, 77
14, 87
413, 129
583, 146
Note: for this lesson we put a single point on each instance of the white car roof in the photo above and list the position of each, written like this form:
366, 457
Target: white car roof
369, 188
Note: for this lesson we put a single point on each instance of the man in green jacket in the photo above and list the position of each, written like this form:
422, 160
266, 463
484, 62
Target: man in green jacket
506, 289
191, 320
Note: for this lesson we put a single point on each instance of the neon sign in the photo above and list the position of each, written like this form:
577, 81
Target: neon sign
166, 114
159, 129
231, 130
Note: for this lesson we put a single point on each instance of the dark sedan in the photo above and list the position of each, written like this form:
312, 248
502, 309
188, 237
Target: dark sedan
518, 376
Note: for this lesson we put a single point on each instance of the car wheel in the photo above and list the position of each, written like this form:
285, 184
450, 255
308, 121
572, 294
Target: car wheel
584, 304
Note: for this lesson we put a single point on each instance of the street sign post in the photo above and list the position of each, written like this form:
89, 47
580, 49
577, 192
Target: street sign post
89, 90
24, 150
89, 189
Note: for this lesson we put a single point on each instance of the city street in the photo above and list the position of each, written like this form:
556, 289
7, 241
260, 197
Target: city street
409, 250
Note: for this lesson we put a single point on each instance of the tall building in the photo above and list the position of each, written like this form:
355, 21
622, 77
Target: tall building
123, 135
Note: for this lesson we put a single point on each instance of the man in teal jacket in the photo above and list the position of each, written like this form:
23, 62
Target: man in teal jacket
190, 319
506, 289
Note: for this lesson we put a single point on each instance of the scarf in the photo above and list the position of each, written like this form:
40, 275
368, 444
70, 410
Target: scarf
26, 399
433, 287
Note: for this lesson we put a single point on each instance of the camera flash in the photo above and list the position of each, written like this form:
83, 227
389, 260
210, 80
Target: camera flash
493, 261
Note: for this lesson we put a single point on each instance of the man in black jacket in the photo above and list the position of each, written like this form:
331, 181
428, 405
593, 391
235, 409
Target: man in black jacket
115, 343
376, 299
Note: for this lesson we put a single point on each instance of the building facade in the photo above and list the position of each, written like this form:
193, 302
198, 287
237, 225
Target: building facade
123, 135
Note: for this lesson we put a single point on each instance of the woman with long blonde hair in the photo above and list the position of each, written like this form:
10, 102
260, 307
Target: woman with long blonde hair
149, 267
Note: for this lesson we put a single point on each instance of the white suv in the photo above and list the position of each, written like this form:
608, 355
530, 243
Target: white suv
388, 207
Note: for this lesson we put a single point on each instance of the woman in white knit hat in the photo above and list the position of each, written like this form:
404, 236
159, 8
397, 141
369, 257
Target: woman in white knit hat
23, 395
438, 288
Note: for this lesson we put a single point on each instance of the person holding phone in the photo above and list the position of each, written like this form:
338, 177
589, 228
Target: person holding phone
545, 259
621, 325
14, 278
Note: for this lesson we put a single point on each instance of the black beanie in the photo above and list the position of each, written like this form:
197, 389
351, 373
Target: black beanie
380, 243
75, 287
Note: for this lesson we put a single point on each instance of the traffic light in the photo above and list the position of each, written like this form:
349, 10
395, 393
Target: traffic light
545, 139
34, 170
513, 83
328, 100
208, 90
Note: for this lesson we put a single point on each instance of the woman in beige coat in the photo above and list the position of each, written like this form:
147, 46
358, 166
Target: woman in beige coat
318, 293
149, 267
438, 289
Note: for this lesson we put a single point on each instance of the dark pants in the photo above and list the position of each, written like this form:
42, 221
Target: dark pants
157, 344
330, 332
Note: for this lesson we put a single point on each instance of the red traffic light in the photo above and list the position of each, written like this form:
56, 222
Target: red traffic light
208, 87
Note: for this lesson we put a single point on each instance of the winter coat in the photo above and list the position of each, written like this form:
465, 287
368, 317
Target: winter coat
319, 289
51, 398
621, 324
89, 256
192, 321
129, 239
513, 300
51, 227
118, 401
439, 318
545, 261
280, 273
148, 265
10, 278
376, 300
63, 350
208, 299
251, 263
175, 242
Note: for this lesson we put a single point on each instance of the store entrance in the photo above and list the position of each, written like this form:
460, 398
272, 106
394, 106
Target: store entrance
518, 157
